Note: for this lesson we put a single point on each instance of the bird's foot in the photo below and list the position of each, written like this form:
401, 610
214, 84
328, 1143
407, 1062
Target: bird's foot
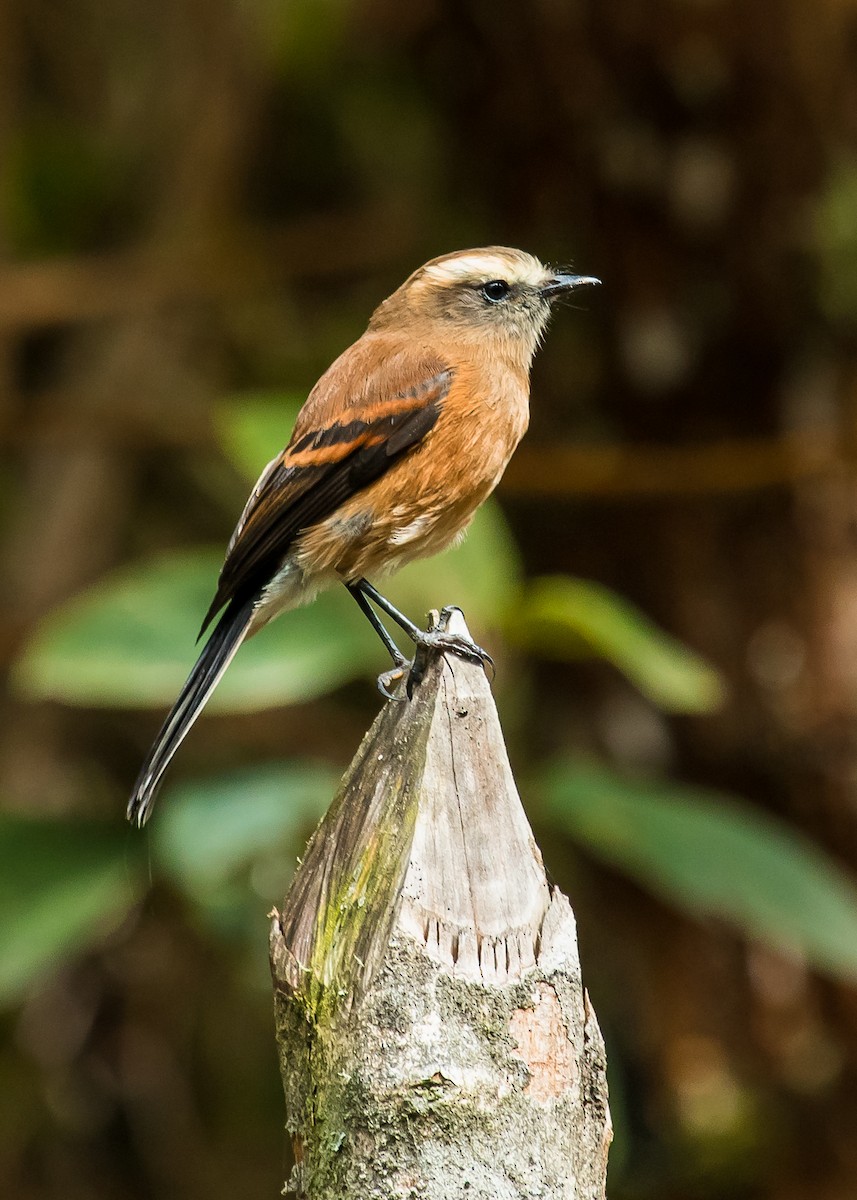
464, 647
443, 643
434, 640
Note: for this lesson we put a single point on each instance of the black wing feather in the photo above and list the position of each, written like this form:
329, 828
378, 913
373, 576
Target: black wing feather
271, 526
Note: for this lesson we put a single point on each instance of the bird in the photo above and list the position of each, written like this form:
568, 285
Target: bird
396, 446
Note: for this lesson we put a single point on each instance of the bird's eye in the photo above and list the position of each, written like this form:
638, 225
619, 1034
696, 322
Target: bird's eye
495, 290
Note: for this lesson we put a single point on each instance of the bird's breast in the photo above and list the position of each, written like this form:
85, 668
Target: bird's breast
427, 499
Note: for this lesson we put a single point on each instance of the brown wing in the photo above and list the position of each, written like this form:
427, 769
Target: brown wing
328, 460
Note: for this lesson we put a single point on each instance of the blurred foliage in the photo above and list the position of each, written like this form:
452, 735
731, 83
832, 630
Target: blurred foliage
214, 828
569, 618
223, 841
201, 201
130, 641
65, 885
836, 232
62, 883
63, 188
253, 428
714, 856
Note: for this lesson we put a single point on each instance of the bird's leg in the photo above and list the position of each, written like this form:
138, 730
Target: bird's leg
358, 592
424, 640
388, 678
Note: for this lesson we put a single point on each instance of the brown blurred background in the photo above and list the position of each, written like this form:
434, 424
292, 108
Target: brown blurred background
201, 199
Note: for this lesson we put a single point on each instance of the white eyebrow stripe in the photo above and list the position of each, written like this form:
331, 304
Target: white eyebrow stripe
487, 266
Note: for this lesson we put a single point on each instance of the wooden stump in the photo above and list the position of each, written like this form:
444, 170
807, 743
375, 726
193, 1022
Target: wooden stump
435, 1037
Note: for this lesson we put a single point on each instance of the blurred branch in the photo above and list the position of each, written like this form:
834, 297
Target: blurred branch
733, 465
34, 294
609, 470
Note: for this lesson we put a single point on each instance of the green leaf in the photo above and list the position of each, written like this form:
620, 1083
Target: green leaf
232, 843
566, 618
129, 641
712, 854
211, 828
63, 884
254, 427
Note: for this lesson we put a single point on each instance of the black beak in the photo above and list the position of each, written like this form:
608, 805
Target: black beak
560, 284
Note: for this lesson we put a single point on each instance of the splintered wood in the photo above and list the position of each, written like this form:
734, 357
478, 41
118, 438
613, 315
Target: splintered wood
434, 1034
475, 892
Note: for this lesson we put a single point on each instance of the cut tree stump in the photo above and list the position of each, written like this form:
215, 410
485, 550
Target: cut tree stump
435, 1038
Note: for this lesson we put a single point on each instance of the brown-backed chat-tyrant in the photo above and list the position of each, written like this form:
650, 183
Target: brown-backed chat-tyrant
398, 444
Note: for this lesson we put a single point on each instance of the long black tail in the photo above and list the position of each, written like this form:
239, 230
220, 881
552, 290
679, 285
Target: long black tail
216, 656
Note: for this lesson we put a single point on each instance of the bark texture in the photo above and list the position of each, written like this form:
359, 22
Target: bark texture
435, 1037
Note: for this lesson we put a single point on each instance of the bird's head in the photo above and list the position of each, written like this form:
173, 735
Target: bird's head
499, 297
